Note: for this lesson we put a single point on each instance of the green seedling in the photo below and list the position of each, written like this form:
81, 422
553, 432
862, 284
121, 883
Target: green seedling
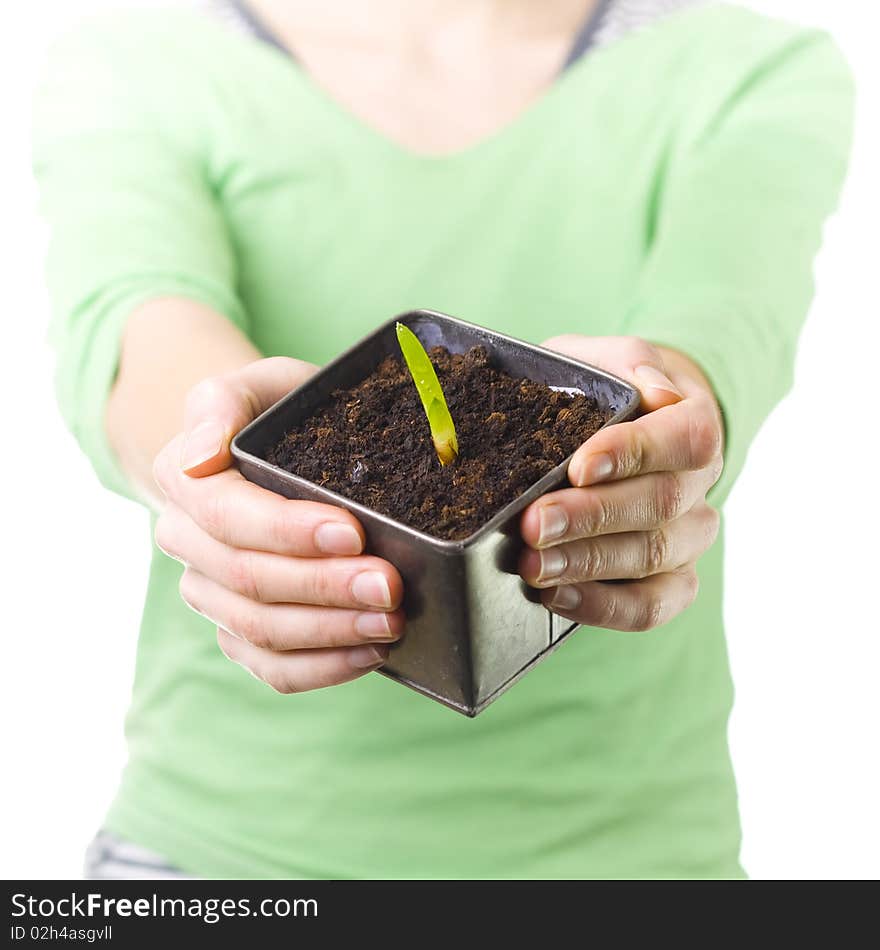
428, 386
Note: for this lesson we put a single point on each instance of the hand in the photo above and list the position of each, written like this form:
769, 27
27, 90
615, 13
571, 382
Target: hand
295, 601
637, 513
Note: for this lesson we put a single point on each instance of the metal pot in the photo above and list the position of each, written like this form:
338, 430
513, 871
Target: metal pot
473, 627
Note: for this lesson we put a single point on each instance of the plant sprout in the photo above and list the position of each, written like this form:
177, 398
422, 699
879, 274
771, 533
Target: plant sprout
433, 400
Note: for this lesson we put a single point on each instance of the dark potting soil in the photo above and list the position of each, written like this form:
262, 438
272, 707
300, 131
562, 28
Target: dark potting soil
372, 443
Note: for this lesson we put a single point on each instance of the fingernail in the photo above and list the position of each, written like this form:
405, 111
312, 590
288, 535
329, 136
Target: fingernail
335, 538
565, 598
553, 563
362, 658
597, 469
651, 376
371, 589
374, 626
203, 443
552, 523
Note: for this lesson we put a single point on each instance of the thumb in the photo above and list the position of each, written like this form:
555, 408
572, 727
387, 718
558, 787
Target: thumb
630, 358
654, 386
220, 406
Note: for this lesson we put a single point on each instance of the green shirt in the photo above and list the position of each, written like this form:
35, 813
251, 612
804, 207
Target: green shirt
672, 186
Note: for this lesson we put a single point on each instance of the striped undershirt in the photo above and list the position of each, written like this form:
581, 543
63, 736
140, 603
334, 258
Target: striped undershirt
607, 21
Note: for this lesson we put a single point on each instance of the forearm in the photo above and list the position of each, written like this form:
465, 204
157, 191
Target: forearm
168, 346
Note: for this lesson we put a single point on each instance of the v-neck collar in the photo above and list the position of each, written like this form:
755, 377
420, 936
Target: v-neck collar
519, 123
583, 41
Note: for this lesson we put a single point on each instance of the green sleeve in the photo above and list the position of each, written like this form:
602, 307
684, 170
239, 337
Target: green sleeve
131, 215
738, 222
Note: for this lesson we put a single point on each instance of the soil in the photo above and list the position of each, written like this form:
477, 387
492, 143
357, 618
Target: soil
372, 443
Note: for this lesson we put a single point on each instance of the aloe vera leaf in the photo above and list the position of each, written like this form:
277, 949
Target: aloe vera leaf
430, 393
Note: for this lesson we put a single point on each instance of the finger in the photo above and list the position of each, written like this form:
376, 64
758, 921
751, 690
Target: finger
685, 436
634, 504
302, 670
284, 627
219, 407
632, 555
632, 605
240, 514
631, 358
355, 582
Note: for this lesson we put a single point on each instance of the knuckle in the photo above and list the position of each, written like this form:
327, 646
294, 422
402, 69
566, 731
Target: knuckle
639, 350
213, 516
669, 499
251, 625
277, 682
282, 527
244, 576
634, 459
165, 536
280, 682
649, 613
223, 644
716, 467
205, 392
604, 610
656, 551
186, 587
628, 454
712, 525
590, 561
597, 514
704, 440
321, 630
162, 470
325, 586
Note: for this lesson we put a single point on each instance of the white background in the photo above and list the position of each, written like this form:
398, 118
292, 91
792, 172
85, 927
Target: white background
803, 615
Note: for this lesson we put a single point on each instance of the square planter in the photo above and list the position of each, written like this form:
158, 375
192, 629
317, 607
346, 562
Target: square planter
473, 626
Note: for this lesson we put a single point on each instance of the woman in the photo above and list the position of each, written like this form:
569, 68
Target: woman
238, 194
